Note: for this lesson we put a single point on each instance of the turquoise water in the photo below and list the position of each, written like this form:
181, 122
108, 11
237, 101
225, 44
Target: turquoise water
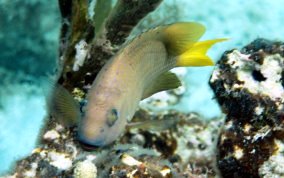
29, 31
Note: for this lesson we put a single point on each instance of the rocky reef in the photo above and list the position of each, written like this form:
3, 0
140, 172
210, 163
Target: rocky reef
185, 147
249, 86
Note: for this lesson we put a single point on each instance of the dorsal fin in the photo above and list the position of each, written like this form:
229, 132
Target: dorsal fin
177, 37
165, 81
181, 42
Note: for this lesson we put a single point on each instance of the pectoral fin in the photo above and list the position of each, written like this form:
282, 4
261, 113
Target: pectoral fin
165, 81
63, 106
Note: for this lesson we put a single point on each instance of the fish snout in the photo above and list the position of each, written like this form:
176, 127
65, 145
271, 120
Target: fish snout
90, 144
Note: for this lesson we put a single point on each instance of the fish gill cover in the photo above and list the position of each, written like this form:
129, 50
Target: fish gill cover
29, 32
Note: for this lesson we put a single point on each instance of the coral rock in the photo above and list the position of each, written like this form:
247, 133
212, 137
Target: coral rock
249, 86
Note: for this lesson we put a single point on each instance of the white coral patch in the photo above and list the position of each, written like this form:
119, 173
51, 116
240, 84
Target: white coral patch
159, 101
274, 166
237, 59
270, 69
247, 128
60, 160
238, 152
165, 171
82, 50
258, 110
91, 157
59, 128
215, 75
228, 125
85, 169
261, 133
129, 160
189, 141
32, 171
51, 135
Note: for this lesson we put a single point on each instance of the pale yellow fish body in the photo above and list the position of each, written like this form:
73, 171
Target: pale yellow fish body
119, 87
137, 71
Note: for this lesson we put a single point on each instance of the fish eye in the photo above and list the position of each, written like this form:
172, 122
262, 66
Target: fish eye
112, 116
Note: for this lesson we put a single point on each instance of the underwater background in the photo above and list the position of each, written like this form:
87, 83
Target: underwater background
29, 31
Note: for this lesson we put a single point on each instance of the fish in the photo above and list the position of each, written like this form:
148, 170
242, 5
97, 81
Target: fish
138, 70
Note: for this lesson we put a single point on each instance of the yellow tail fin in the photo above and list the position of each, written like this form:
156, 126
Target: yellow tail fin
196, 54
181, 36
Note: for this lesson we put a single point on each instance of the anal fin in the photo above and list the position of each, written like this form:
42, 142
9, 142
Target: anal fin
165, 81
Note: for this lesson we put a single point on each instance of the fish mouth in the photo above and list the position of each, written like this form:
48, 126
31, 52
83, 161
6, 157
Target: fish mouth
90, 145
87, 146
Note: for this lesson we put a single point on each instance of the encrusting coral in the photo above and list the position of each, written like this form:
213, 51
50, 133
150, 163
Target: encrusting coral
249, 86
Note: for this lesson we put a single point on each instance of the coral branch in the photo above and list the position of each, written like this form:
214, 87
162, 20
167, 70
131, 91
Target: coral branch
65, 7
102, 10
125, 15
79, 19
